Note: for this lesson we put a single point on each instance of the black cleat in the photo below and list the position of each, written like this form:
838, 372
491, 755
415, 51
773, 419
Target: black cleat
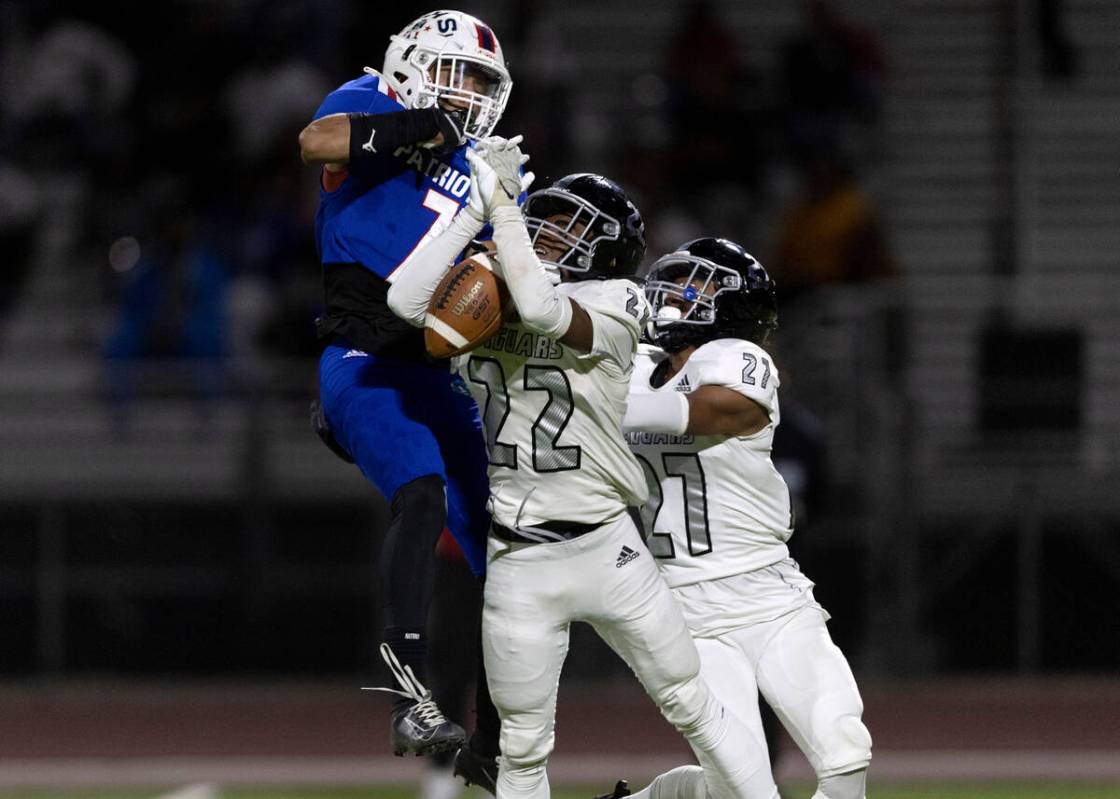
621, 789
477, 769
419, 728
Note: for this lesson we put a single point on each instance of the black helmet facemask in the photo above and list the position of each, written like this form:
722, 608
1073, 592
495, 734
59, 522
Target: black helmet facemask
584, 229
695, 283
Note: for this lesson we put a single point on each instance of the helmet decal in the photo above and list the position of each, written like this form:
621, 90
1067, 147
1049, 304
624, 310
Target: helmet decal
453, 60
485, 38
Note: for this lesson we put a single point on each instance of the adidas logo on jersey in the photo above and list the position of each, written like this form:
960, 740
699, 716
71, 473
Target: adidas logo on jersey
684, 385
624, 557
355, 354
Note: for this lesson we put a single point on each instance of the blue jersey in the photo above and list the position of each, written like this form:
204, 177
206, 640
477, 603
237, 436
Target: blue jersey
379, 217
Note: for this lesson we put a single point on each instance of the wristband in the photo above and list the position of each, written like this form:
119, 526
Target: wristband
380, 134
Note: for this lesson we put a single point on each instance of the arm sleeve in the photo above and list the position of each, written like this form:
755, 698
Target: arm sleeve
542, 308
741, 366
662, 412
411, 290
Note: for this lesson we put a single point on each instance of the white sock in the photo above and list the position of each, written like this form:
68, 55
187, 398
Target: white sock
440, 783
528, 782
852, 785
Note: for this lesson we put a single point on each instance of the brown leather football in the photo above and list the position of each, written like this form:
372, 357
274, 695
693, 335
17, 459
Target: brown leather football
467, 308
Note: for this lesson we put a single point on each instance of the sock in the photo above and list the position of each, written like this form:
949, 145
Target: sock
843, 786
411, 649
406, 570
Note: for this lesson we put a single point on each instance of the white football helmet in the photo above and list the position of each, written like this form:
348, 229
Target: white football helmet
453, 57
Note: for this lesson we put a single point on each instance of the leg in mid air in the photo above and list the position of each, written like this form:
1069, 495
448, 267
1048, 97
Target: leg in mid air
644, 625
406, 573
807, 680
376, 411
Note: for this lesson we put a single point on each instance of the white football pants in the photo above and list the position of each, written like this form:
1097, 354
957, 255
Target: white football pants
804, 677
533, 593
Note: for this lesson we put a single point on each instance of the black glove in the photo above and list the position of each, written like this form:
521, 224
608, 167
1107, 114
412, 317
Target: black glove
451, 125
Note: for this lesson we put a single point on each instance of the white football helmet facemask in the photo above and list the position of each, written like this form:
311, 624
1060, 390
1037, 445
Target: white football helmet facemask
453, 59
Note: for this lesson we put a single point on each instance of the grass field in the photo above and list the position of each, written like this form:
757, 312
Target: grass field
925, 791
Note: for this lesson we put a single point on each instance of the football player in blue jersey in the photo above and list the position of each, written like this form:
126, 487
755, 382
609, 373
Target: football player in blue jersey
393, 148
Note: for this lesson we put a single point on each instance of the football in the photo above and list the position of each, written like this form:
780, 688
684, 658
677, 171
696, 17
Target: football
467, 308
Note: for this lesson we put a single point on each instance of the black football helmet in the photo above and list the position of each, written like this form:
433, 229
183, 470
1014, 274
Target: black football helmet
598, 224
707, 289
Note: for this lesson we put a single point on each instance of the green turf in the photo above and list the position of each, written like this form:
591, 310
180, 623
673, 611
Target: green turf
927, 791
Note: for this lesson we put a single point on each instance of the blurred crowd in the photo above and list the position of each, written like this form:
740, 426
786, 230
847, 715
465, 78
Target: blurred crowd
148, 159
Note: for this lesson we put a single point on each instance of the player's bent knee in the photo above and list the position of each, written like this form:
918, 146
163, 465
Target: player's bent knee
849, 749
423, 502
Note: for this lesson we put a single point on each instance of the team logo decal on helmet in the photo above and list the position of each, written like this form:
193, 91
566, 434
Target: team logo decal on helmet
590, 220
707, 289
454, 60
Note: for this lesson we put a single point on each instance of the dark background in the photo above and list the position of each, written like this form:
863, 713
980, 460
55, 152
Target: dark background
933, 186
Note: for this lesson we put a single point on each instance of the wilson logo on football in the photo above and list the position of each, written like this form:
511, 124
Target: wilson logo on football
467, 299
467, 308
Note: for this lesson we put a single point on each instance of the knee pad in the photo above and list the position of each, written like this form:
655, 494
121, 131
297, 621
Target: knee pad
848, 748
421, 503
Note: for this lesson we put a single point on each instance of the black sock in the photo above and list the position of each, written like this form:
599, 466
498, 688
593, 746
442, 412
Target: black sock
406, 568
411, 649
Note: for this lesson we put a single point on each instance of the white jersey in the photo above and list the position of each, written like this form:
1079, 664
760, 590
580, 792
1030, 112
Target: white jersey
717, 506
553, 416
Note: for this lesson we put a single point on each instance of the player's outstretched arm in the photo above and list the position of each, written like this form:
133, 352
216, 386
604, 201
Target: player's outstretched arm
709, 410
411, 291
339, 139
496, 170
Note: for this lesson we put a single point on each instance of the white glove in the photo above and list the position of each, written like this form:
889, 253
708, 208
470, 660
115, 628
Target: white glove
506, 158
496, 178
